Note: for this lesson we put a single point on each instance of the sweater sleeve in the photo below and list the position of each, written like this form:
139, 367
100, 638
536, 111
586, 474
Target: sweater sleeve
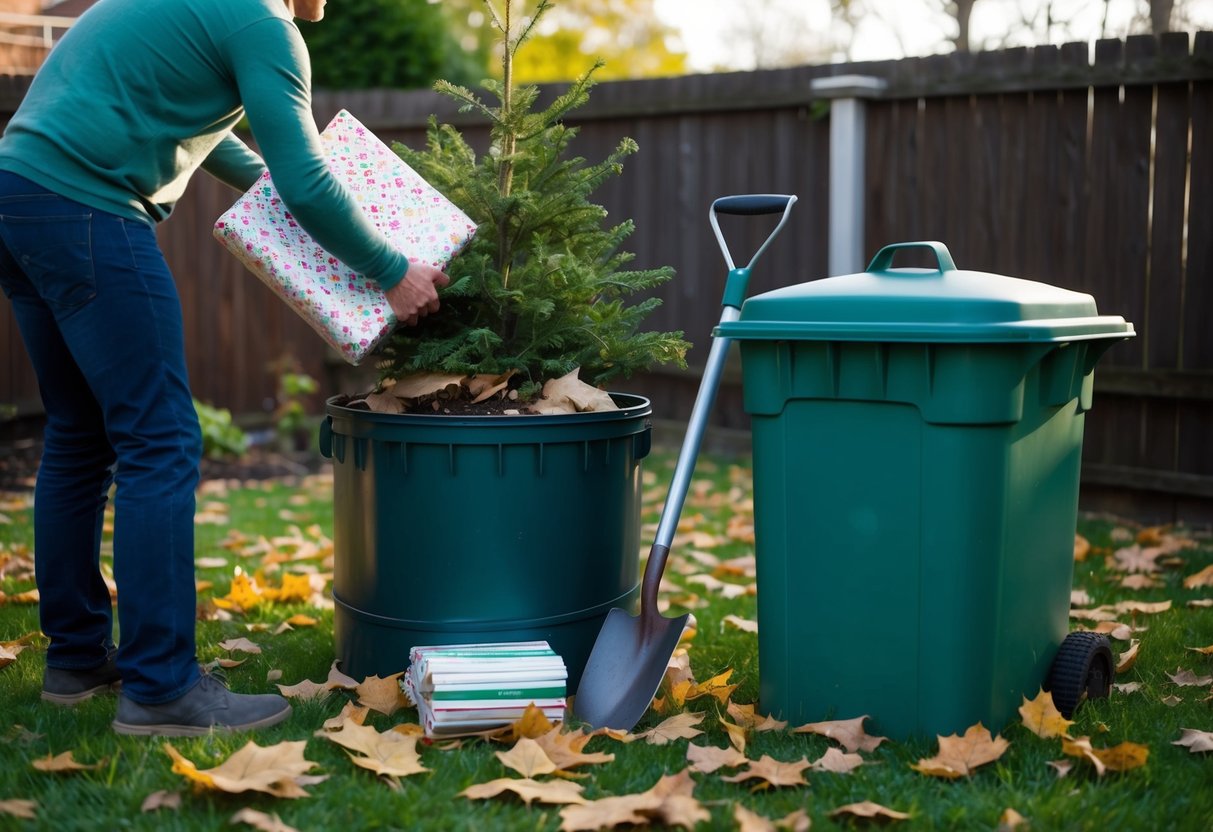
234, 164
273, 74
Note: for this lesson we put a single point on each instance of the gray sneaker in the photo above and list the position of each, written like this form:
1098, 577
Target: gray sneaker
207, 706
71, 687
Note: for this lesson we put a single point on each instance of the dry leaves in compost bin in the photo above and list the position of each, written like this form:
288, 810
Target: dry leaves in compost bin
1123, 757
1197, 742
279, 770
670, 803
1041, 717
848, 733
960, 756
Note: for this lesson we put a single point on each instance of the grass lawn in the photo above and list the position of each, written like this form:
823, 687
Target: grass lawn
239, 525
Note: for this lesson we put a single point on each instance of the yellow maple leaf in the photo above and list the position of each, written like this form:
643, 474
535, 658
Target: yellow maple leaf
1042, 718
737, 734
244, 594
533, 723
716, 686
960, 756
294, 588
279, 770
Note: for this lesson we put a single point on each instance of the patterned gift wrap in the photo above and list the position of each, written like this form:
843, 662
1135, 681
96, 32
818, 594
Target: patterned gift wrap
347, 309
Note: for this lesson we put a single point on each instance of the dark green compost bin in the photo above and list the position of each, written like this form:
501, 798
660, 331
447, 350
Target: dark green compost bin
917, 439
451, 529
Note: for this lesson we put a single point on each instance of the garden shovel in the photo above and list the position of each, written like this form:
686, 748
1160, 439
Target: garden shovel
631, 653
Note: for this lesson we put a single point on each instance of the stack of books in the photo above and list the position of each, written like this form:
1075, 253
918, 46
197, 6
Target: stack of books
469, 688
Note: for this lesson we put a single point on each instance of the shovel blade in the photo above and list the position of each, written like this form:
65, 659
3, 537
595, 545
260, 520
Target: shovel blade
625, 668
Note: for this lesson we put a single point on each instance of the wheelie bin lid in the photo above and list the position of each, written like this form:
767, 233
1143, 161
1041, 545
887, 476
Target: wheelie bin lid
923, 305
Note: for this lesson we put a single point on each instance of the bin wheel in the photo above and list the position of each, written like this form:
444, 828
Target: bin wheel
1082, 669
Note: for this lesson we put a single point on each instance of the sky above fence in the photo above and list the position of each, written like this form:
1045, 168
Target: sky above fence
724, 34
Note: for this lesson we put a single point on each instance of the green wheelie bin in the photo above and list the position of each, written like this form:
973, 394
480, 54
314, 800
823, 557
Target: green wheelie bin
917, 436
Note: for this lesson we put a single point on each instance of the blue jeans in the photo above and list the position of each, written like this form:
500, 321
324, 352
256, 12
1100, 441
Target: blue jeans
99, 314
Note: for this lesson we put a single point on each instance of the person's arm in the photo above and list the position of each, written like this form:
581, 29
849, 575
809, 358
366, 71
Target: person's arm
273, 74
233, 163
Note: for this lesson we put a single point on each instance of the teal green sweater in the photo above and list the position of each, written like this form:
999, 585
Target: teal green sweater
141, 93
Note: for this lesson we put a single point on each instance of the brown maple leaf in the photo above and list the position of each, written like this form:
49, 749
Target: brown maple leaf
564, 748
746, 716
1196, 741
18, 808
867, 810
848, 733
382, 694
305, 691
64, 763
261, 821
552, 791
1127, 659
707, 759
748, 821
774, 772
1186, 678
1042, 718
240, 644
161, 800
669, 802
837, 762
279, 770
1123, 757
678, 727
960, 756
527, 758
1198, 579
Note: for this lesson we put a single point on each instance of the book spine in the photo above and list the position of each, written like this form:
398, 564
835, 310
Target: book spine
463, 693
520, 704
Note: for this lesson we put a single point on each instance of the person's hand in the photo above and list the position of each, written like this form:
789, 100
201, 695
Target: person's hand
417, 295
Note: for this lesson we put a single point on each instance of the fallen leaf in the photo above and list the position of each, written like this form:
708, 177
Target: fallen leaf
1186, 678
1042, 718
1062, 767
1009, 820
1137, 559
745, 716
1140, 581
715, 687
161, 800
1202, 578
260, 820
527, 758
1171, 701
279, 770
1122, 757
707, 759
533, 723
738, 623
737, 734
1082, 547
678, 727
848, 733
774, 772
867, 810
961, 756
1208, 651
305, 691
1127, 659
382, 694
669, 802
748, 821
551, 791
18, 808
837, 762
1196, 741
65, 762
1127, 687
564, 748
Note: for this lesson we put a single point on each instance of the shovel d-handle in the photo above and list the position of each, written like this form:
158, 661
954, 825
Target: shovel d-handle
749, 205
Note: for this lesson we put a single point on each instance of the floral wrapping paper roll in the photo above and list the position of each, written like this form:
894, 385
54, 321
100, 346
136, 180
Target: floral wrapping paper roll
347, 309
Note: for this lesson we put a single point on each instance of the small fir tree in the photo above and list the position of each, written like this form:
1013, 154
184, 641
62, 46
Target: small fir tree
542, 289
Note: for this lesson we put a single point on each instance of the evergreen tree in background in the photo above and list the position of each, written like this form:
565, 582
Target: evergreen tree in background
401, 44
542, 288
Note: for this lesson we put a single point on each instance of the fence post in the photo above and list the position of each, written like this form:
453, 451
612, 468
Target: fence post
848, 130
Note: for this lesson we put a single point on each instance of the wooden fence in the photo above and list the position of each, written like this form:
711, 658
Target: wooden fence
1090, 173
